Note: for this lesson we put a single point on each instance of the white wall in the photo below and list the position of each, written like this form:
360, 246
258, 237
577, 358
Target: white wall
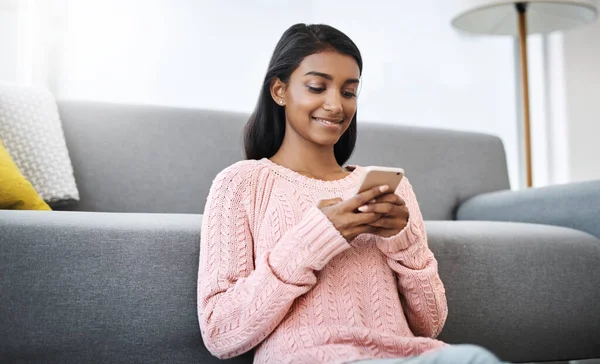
205, 54
581, 51
8, 41
418, 70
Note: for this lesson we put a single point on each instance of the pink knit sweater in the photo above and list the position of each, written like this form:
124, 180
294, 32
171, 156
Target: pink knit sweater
276, 275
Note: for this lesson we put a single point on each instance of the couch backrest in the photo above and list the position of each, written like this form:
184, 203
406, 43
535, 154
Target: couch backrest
131, 158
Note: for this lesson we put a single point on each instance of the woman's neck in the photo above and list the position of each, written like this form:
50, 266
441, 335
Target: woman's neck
319, 163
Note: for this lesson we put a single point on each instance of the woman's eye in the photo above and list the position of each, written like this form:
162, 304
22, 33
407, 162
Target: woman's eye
316, 89
348, 94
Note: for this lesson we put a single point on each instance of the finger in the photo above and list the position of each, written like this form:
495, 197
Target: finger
398, 216
378, 207
402, 211
386, 209
392, 198
389, 223
398, 211
366, 196
364, 218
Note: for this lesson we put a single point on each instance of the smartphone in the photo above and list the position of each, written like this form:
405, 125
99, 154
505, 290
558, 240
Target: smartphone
377, 176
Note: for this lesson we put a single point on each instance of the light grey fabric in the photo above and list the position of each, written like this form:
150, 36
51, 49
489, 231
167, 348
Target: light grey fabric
109, 287
99, 288
156, 159
527, 292
445, 167
574, 205
148, 158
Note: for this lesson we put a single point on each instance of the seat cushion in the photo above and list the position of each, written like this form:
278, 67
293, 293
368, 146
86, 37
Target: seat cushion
115, 288
527, 292
100, 288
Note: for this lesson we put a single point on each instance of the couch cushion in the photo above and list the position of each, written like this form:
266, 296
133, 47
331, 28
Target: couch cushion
117, 288
574, 205
157, 159
147, 158
32, 133
528, 292
445, 167
100, 288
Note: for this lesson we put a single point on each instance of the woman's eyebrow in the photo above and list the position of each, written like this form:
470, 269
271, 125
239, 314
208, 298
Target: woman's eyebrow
329, 77
320, 74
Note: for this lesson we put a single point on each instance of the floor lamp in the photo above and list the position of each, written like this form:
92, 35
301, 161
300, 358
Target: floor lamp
519, 18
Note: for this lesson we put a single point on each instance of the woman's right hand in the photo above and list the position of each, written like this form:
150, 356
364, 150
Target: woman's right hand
344, 216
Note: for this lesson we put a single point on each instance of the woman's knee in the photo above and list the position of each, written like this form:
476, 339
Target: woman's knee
471, 354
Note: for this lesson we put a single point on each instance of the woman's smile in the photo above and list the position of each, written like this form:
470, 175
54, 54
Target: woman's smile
334, 124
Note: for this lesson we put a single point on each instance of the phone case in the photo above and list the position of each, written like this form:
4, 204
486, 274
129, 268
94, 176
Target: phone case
376, 176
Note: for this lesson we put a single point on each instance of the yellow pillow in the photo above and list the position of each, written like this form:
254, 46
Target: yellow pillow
16, 193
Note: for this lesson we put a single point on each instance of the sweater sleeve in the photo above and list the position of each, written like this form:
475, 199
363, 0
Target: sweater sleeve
242, 300
408, 255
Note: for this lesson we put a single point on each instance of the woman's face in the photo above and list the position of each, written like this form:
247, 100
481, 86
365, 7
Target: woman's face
320, 97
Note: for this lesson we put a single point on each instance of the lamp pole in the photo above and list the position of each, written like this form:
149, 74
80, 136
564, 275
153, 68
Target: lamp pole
522, 11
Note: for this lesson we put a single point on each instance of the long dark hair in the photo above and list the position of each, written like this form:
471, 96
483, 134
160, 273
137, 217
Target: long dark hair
265, 129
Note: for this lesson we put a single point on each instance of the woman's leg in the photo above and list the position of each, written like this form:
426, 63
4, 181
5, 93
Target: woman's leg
454, 354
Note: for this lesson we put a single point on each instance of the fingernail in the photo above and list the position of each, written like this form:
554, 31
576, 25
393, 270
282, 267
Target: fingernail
373, 201
363, 208
384, 188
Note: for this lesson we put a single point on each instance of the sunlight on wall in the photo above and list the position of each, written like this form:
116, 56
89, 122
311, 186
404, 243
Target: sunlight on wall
418, 70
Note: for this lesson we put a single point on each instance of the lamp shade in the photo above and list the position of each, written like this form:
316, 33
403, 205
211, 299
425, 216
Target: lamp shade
543, 16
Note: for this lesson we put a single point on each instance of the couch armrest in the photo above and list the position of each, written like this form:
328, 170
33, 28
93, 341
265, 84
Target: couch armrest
573, 205
527, 292
83, 287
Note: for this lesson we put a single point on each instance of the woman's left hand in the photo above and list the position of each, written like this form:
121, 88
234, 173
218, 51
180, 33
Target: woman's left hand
394, 214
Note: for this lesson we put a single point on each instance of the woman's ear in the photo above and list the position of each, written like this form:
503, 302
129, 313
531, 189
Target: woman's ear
278, 92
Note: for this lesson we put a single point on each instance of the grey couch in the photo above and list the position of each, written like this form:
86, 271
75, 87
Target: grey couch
114, 280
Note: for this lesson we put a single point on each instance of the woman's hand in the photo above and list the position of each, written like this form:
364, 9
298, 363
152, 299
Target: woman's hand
344, 217
393, 212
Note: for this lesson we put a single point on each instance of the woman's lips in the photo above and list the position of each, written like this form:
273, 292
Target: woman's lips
328, 122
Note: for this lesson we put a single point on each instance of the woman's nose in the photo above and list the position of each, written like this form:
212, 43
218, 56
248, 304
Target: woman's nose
333, 103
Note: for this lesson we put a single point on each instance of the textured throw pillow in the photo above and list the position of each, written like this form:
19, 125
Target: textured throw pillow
16, 193
33, 136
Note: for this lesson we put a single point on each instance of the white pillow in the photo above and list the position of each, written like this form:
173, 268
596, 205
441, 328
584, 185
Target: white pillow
32, 133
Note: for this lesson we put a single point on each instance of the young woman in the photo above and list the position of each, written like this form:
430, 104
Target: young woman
294, 265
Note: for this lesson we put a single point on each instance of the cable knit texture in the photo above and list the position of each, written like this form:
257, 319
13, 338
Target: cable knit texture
276, 276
